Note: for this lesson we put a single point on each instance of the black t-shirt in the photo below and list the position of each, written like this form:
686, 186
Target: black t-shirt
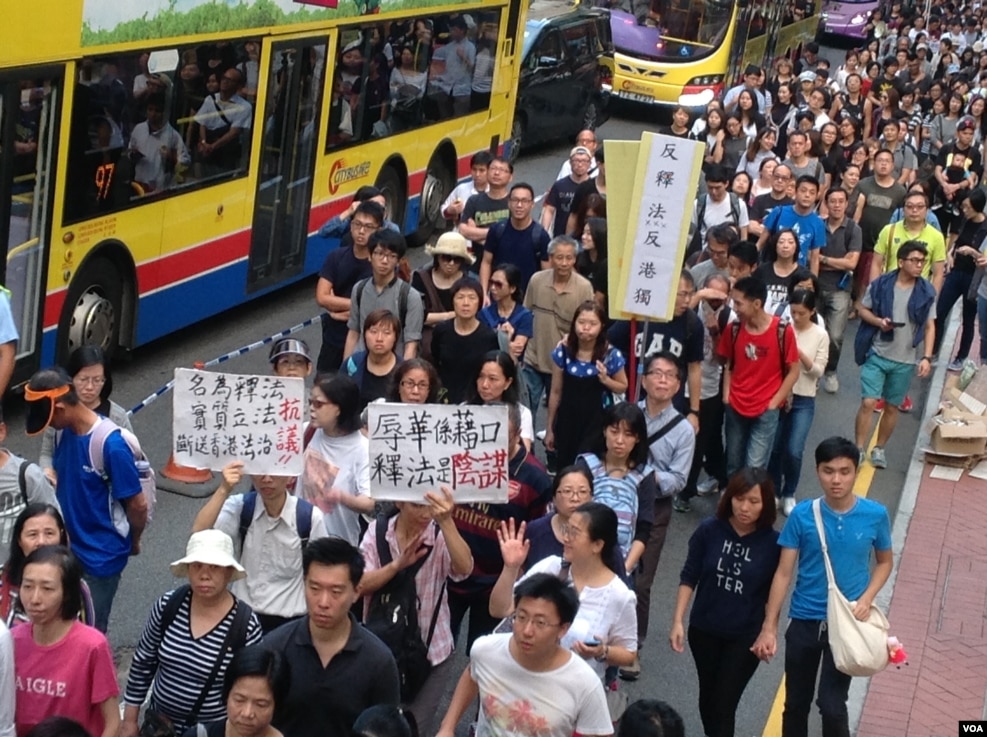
485, 211
458, 356
968, 236
974, 162
777, 287
374, 387
561, 197
584, 190
343, 270
765, 203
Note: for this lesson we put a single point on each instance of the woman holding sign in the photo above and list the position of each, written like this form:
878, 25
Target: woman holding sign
731, 562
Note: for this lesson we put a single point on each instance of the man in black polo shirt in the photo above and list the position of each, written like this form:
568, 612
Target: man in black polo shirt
338, 668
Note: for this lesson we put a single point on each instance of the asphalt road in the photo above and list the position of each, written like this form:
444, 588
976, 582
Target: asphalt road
666, 675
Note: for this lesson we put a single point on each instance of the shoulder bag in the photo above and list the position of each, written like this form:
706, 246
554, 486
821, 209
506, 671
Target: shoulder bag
860, 648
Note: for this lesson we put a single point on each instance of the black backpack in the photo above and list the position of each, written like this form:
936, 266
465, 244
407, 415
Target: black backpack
393, 617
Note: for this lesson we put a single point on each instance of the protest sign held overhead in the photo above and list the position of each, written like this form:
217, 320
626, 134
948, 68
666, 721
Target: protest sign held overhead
223, 417
416, 448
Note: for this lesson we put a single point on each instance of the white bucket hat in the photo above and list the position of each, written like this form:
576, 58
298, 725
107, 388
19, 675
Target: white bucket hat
451, 244
212, 547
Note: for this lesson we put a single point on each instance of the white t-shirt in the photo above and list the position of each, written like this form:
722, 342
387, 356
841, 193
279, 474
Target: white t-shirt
520, 703
607, 613
337, 463
720, 212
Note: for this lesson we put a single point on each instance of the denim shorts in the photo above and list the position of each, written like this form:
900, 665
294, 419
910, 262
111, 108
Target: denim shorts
881, 378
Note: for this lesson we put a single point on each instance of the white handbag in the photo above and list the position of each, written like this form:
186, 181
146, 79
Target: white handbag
860, 648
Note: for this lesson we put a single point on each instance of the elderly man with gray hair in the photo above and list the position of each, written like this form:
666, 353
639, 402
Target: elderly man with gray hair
553, 296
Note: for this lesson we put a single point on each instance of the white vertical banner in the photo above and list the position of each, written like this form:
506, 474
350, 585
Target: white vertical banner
668, 171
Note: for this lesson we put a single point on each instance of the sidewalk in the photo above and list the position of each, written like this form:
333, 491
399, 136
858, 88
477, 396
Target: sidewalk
938, 604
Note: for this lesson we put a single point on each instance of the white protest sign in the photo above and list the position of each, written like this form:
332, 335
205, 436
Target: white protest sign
664, 193
416, 448
225, 417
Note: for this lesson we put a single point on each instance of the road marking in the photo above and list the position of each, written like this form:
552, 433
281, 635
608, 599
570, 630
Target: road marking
865, 477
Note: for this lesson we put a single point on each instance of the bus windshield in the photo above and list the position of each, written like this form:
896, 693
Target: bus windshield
672, 30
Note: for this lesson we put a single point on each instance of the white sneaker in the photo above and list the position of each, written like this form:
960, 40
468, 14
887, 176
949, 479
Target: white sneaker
788, 506
831, 383
707, 487
778, 502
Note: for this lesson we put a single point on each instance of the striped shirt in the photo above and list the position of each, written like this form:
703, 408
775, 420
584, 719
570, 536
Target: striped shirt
175, 666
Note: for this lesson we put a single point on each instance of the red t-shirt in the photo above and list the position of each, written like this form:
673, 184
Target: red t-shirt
70, 678
757, 366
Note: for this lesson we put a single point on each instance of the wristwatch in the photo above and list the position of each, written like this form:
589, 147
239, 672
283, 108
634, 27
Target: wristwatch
693, 412
927, 358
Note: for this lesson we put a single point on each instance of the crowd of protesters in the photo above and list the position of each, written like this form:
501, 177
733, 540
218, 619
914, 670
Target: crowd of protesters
832, 191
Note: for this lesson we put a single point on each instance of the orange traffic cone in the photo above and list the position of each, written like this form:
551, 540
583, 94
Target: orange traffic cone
185, 474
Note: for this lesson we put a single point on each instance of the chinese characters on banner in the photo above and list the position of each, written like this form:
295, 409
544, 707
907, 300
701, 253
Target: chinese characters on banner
416, 448
667, 174
225, 417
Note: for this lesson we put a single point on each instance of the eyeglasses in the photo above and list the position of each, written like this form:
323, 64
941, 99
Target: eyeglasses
538, 623
916, 260
421, 386
496, 283
361, 225
662, 374
575, 493
318, 403
385, 255
89, 381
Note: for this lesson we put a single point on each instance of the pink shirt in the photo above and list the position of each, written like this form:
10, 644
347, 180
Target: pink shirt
70, 678
428, 583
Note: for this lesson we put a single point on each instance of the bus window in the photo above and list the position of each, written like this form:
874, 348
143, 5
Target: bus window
148, 124
395, 77
681, 29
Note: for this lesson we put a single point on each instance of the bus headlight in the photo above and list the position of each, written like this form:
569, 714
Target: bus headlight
858, 19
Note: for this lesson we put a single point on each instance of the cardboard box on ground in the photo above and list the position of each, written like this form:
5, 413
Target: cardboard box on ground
958, 434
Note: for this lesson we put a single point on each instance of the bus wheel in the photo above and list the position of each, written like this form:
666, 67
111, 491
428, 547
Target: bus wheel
439, 182
93, 309
517, 138
394, 189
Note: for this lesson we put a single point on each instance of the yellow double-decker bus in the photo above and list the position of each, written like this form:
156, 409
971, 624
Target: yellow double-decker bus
689, 51
164, 160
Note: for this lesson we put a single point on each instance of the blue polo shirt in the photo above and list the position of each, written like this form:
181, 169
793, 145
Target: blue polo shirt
810, 229
851, 537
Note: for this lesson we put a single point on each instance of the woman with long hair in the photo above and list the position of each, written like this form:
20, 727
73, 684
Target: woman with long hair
619, 465
709, 133
848, 134
587, 372
780, 262
765, 176
874, 118
506, 314
943, 126
760, 149
963, 258
725, 620
496, 382
749, 111
740, 185
336, 478
784, 74
782, 115
604, 632
592, 259
37, 525
731, 143
795, 420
